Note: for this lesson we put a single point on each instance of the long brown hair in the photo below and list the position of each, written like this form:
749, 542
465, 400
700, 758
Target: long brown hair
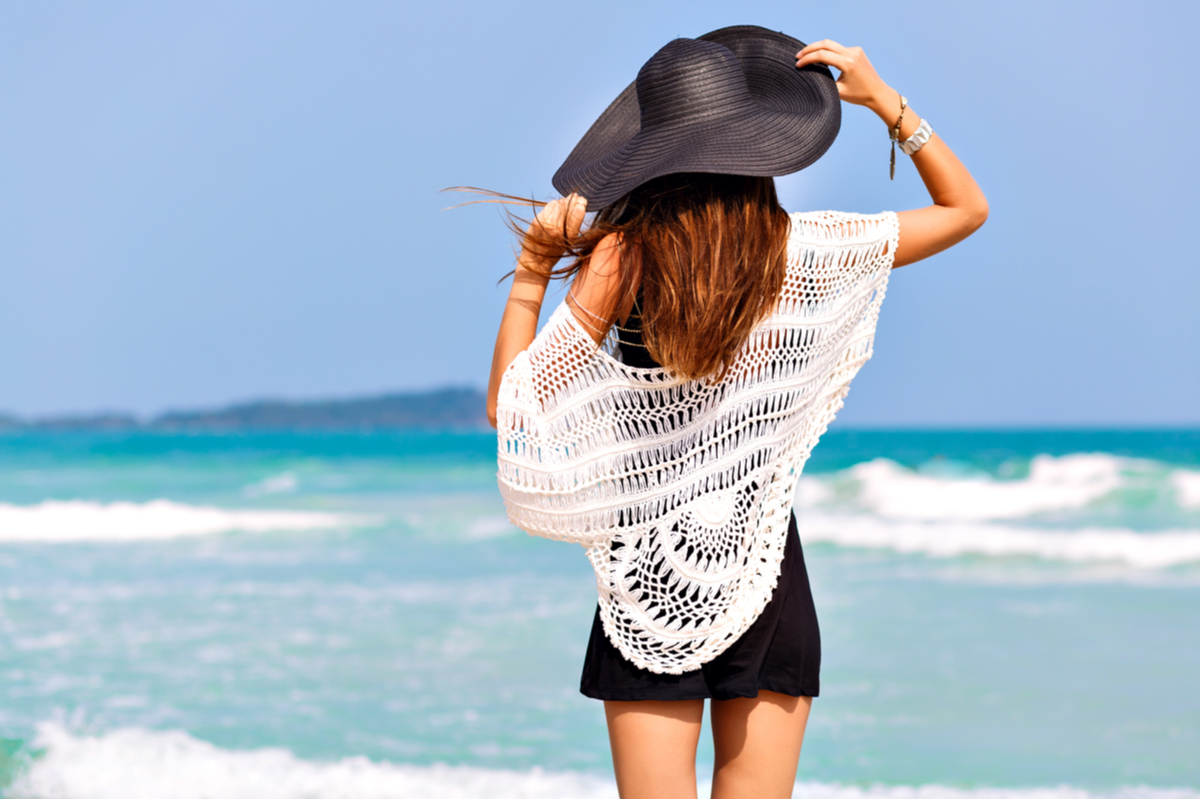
707, 253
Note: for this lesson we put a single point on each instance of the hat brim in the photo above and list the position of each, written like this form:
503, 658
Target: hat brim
795, 117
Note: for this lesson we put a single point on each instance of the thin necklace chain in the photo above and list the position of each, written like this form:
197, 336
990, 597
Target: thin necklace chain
607, 333
584, 309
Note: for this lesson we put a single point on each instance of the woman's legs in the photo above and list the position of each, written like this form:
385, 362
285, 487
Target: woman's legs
654, 746
757, 742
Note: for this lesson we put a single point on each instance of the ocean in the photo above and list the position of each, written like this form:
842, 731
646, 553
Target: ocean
337, 615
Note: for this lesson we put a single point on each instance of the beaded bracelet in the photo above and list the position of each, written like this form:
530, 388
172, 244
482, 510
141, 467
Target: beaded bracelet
895, 137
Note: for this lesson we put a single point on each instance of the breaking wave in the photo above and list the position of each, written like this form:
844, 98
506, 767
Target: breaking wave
135, 763
1143, 550
1054, 484
86, 521
949, 510
1187, 488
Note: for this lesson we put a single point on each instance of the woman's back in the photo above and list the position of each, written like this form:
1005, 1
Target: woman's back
681, 487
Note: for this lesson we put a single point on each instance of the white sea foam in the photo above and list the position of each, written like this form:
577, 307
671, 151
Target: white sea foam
933, 790
812, 492
1143, 550
276, 484
84, 521
490, 527
1054, 484
134, 763
1187, 488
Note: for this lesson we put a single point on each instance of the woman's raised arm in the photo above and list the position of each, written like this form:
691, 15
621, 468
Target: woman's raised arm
518, 326
959, 207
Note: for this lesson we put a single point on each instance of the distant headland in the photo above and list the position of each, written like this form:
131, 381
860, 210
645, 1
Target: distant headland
439, 409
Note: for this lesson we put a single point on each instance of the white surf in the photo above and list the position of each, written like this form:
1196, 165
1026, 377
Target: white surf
138, 763
87, 521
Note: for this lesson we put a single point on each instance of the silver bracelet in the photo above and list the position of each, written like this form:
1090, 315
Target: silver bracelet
915, 142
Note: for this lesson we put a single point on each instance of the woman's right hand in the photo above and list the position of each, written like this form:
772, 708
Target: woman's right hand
557, 218
518, 326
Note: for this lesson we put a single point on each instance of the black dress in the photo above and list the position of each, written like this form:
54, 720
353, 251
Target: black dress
779, 652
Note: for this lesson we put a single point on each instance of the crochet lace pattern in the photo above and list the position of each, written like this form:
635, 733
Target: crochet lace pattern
681, 490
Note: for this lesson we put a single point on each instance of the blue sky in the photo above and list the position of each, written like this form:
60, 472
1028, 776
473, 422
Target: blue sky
208, 202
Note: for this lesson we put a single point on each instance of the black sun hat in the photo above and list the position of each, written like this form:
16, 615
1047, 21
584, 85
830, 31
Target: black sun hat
729, 102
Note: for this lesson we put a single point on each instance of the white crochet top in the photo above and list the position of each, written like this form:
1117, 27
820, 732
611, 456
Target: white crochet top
682, 490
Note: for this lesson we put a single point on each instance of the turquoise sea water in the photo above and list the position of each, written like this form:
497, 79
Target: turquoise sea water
335, 615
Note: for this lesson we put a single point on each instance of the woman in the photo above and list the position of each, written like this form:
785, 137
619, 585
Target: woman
663, 415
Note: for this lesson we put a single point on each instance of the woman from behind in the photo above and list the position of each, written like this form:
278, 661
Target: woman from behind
663, 415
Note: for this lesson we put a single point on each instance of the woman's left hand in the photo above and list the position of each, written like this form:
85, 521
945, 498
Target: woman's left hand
859, 83
959, 207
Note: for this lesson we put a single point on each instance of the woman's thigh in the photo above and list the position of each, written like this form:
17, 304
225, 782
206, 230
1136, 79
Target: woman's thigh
757, 744
654, 746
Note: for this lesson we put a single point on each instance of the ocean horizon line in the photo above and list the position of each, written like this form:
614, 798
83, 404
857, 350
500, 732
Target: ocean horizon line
452, 408
442, 408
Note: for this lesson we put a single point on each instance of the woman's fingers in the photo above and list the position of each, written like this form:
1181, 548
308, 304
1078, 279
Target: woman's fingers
824, 44
557, 218
858, 83
833, 59
577, 208
551, 215
568, 210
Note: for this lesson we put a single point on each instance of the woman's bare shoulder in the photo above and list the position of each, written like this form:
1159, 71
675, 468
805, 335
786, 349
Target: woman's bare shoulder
606, 258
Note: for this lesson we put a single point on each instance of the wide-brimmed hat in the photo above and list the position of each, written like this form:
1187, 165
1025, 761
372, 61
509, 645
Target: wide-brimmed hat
730, 102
